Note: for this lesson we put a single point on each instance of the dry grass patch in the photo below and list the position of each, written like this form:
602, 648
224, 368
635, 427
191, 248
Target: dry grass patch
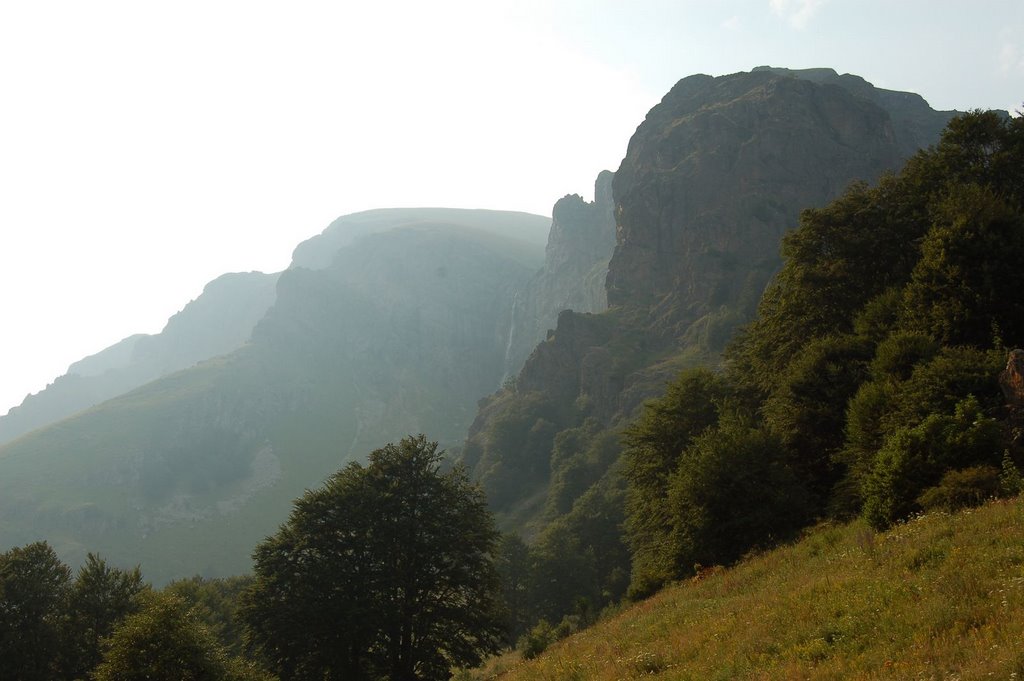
939, 597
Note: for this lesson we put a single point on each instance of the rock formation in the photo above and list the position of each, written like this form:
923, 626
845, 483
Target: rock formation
579, 246
712, 179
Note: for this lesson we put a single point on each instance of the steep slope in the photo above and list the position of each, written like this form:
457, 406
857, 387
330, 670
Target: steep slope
720, 170
937, 597
580, 244
402, 332
712, 179
217, 322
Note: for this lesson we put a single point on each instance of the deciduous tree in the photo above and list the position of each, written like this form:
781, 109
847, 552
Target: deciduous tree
384, 572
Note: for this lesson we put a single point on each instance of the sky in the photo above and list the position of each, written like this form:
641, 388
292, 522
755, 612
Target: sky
148, 147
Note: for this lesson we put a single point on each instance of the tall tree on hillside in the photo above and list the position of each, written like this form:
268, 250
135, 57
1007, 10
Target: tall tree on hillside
385, 572
33, 589
100, 597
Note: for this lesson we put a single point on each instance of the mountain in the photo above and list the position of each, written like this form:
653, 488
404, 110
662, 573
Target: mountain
579, 247
399, 330
217, 322
317, 252
712, 179
399, 321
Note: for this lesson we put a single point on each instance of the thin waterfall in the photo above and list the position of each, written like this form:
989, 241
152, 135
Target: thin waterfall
511, 336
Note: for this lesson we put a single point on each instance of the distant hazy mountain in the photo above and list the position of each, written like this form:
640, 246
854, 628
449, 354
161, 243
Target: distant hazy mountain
217, 322
318, 251
397, 330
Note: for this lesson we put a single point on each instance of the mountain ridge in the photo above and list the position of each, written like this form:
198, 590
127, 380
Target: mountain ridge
349, 357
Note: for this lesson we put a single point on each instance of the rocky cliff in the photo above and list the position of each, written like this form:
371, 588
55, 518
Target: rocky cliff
715, 175
579, 246
721, 168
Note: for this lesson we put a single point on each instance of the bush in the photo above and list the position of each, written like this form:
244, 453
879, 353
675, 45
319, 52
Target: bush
538, 639
914, 459
962, 488
733, 492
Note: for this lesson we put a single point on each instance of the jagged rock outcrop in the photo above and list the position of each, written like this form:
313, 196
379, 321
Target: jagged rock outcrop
712, 179
916, 124
579, 246
721, 168
215, 323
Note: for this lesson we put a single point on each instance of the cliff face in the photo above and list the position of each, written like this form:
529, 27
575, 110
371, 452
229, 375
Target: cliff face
216, 323
712, 179
408, 325
916, 124
718, 171
579, 246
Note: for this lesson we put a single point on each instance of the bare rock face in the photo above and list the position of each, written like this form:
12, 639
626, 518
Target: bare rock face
580, 244
1012, 379
720, 170
915, 123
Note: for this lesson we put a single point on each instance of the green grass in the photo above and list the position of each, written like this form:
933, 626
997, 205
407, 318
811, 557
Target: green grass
938, 597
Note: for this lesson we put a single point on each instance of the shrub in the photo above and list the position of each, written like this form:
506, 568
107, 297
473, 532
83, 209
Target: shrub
914, 459
537, 640
962, 488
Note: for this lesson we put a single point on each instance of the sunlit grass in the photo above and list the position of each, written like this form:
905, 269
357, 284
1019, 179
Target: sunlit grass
938, 597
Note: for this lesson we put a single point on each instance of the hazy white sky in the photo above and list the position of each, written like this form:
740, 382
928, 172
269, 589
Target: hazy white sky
147, 147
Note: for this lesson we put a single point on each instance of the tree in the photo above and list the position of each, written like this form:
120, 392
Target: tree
654, 446
100, 597
965, 290
733, 492
807, 409
33, 588
512, 561
164, 641
384, 572
913, 460
215, 601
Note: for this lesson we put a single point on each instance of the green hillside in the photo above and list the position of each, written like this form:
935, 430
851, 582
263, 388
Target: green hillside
937, 597
403, 332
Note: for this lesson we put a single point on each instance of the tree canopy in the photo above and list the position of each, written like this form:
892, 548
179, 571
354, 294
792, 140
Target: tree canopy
867, 383
385, 572
33, 588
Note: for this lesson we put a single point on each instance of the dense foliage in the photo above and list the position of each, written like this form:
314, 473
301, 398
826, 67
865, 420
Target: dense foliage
106, 623
869, 381
165, 641
385, 572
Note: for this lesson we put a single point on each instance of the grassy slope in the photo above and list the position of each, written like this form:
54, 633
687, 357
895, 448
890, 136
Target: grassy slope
939, 597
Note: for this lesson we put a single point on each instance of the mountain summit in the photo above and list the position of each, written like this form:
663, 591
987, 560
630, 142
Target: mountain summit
712, 179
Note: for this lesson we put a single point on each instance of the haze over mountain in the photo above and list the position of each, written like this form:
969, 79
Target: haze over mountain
575, 265
221, 157
215, 323
402, 328
399, 321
